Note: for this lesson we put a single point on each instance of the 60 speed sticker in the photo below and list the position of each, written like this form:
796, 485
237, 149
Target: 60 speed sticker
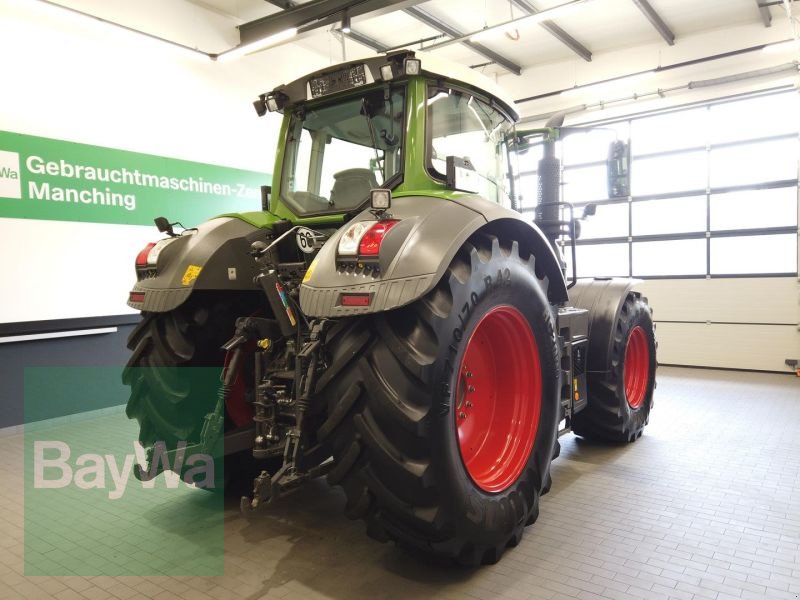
305, 240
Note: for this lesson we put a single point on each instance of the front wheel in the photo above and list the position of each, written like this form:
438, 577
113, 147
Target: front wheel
620, 399
172, 373
443, 414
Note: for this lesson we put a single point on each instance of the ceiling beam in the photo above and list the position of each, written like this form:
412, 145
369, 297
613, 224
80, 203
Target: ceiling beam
316, 15
440, 25
766, 15
365, 40
354, 35
656, 21
283, 4
561, 35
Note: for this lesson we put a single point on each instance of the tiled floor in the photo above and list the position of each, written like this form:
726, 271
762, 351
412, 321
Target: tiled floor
705, 506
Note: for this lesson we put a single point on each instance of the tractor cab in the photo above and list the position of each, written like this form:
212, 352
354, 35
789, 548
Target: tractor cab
404, 122
411, 124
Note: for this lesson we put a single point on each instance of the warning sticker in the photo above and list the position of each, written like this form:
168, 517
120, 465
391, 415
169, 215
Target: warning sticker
310, 270
190, 274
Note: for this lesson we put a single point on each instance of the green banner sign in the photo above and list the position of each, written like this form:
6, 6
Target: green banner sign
56, 180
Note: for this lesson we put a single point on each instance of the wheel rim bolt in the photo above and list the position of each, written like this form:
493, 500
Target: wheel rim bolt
469, 404
471, 388
462, 415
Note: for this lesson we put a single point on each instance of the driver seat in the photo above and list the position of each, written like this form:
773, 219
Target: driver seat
351, 187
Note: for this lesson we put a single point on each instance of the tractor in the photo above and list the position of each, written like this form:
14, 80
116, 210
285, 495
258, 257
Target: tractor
389, 319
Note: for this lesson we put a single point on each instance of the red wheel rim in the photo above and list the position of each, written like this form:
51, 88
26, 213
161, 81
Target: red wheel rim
636, 368
498, 399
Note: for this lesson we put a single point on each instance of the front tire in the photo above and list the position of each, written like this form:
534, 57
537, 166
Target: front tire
170, 395
416, 462
620, 400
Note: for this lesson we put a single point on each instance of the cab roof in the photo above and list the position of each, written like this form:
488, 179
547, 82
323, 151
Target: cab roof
300, 90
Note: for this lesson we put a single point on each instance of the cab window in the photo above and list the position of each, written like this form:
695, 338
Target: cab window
463, 125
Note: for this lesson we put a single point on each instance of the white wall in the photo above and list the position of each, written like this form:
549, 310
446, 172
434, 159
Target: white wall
71, 78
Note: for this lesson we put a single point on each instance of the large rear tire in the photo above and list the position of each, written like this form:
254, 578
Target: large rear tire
169, 401
443, 414
620, 400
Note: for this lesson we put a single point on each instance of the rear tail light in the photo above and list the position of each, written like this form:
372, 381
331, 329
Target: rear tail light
141, 258
148, 257
370, 244
348, 244
364, 238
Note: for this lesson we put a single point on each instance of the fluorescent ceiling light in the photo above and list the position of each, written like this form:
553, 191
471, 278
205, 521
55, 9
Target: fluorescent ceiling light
609, 85
262, 44
545, 15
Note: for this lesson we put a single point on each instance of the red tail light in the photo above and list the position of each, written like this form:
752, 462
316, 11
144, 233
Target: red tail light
141, 258
148, 257
370, 244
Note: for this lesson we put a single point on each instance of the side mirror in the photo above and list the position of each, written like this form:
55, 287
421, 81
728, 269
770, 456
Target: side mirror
266, 196
589, 210
164, 226
618, 169
461, 175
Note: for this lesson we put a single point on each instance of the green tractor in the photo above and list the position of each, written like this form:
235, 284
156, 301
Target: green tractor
388, 319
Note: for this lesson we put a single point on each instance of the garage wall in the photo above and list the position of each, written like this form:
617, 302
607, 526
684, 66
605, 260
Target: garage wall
71, 78
734, 323
66, 77
79, 80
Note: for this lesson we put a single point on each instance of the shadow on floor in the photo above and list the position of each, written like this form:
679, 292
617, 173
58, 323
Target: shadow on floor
307, 538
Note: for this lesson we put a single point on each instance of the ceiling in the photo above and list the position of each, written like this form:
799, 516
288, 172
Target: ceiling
597, 40
596, 26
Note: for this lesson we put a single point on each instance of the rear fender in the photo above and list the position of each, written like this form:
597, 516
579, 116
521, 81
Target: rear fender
417, 252
603, 298
215, 257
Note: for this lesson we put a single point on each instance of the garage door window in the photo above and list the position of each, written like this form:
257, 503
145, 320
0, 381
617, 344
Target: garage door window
714, 192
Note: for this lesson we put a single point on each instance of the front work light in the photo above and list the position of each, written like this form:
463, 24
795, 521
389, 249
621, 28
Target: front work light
276, 101
380, 199
387, 72
261, 106
412, 66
